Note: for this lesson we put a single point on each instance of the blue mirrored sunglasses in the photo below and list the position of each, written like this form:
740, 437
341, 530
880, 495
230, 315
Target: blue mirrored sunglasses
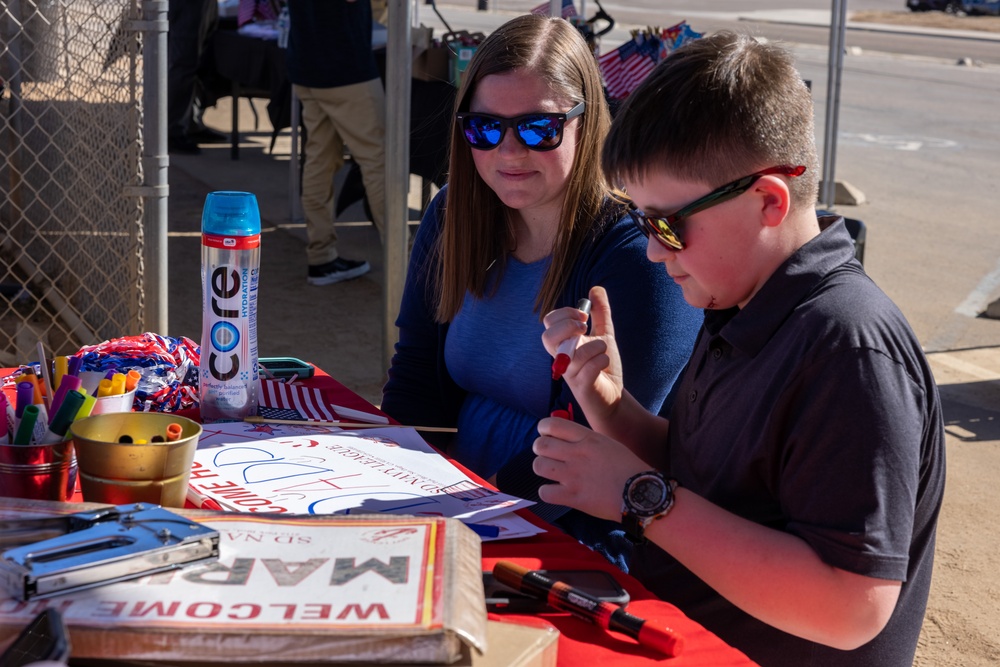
537, 131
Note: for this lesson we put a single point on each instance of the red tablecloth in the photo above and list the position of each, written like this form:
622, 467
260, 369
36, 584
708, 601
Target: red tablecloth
580, 643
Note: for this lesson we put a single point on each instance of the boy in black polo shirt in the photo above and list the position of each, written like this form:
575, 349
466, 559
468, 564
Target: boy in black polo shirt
790, 502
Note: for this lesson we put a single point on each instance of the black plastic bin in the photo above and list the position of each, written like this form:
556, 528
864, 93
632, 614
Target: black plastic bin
856, 229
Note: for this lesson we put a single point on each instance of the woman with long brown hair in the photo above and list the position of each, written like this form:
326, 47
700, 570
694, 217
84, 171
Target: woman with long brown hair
526, 224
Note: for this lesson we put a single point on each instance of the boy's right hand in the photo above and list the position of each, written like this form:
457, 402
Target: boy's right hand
595, 373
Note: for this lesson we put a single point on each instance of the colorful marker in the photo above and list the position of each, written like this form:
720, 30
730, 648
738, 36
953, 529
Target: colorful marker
88, 405
74, 365
69, 383
104, 388
43, 372
118, 384
3, 418
27, 426
61, 368
25, 397
583, 605
29, 376
132, 380
483, 530
198, 500
174, 432
64, 417
564, 353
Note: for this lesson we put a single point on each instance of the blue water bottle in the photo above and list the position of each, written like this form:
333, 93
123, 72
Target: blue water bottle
230, 268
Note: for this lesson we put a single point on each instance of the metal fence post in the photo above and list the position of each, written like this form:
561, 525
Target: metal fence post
828, 189
155, 162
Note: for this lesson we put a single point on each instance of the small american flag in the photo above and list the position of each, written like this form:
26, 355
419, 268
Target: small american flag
624, 68
251, 10
281, 400
568, 9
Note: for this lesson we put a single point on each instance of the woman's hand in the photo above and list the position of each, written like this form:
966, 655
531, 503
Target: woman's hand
595, 373
588, 469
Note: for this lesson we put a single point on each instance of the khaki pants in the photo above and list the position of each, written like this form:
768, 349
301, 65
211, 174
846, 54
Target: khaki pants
353, 115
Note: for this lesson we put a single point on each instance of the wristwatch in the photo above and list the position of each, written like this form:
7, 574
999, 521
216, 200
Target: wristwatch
647, 496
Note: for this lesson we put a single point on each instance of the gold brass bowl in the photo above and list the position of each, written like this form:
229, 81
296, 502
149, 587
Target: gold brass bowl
129, 472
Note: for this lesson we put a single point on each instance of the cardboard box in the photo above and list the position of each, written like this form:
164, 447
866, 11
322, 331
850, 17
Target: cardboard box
432, 64
512, 646
430, 59
288, 589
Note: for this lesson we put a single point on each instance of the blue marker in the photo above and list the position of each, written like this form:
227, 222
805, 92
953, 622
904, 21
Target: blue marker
482, 530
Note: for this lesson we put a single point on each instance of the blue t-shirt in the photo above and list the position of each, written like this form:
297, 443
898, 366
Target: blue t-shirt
494, 352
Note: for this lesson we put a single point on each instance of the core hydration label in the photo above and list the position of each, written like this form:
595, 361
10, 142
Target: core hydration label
229, 334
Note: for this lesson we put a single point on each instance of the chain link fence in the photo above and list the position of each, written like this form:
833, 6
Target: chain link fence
74, 199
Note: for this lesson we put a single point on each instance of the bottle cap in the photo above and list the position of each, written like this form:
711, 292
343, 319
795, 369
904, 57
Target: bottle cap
228, 213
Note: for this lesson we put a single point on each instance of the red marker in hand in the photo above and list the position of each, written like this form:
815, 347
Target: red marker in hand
564, 353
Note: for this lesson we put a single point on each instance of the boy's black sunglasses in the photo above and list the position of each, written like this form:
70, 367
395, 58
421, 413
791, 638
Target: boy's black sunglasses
665, 229
538, 131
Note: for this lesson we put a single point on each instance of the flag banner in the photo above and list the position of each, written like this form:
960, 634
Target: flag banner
284, 400
253, 10
568, 9
624, 68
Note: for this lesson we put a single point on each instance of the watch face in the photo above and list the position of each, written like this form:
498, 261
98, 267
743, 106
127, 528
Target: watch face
647, 494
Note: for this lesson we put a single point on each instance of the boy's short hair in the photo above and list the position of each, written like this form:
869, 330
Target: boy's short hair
717, 109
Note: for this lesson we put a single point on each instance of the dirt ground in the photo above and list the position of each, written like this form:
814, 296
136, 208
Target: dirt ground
929, 20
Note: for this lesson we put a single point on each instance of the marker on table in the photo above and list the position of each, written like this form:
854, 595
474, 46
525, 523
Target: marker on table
583, 605
483, 530
564, 353
203, 502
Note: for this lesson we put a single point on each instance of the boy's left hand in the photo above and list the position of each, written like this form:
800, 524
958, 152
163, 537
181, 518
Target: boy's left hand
588, 469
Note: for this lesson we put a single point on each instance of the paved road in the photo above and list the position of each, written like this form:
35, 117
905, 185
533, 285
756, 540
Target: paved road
793, 21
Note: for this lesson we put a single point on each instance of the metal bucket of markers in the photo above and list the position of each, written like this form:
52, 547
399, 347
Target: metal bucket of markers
38, 472
127, 457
